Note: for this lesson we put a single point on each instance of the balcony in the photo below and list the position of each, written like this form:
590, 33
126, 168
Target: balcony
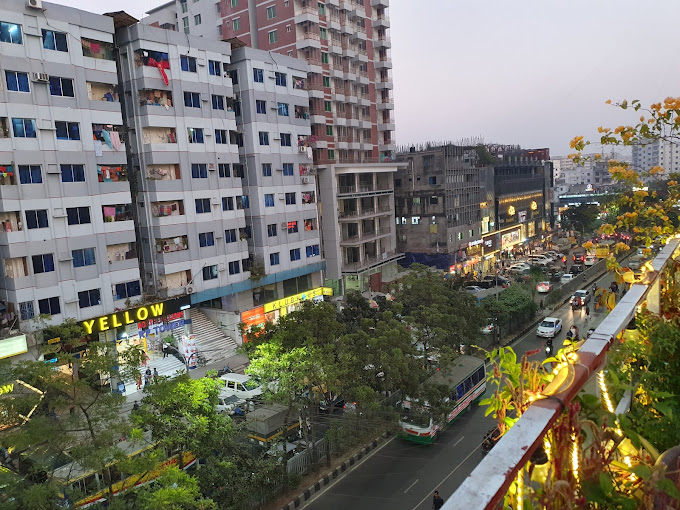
379, 3
381, 22
159, 138
103, 95
306, 14
167, 209
383, 64
116, 213
154, 97
371, 261
382, 42
98, 50
301, 113
363, 189
122, 256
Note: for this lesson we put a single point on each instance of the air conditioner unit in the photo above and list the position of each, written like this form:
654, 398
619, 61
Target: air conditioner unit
305, 180
190, 289
221, 267
282, 196
65, 256
215, 201
41, 76
284, 224
34, 4
211, 167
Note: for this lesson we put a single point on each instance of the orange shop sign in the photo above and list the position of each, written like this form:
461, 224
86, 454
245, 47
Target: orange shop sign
254, 317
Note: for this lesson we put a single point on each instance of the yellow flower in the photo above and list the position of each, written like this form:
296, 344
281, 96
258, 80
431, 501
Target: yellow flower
609, 101
642, 118
598, 156
618, 130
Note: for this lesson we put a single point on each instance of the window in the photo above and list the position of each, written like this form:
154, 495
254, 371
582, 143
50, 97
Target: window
234, 3
72, 173
202, 205
238, 170
54, 40
17, 82
217, 102
459, 236
313, 251
215, 67
43, 263
88, 298
471, 233
243, 202
271, 12
23, 128
27, 311
274, 259
294, 254
127, 290
230, 235
266, 169
258, 75
84, 257
30, 174
288, 29
67, 130
282, 109
61, 86
209, 272
185, 22
397, 182
234, 267
264, 138
261, 106
331, 154
271, 230
78, 215
329, 130
10, 33
223, 170
415, 220
324, 57
322, 9
187, 63
195, 135
323, 34
280, 79
416, 201
221, 136
192, 100
273, 37
199, 171
288, 169
36, 219
327, 106
236, 24
326, 81
269, 200
292, 227
183, 3
49, 306
432, 180
290, 198
197, 19
285, 140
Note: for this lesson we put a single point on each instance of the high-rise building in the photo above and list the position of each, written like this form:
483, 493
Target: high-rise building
68, 239
663, 153
347, 46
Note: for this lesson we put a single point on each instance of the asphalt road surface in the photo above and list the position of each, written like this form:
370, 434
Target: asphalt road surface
403, 475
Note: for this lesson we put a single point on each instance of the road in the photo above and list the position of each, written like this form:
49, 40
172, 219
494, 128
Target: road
403, 475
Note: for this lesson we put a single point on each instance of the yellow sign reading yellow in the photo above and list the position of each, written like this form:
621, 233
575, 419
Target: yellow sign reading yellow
297, 298
116, 320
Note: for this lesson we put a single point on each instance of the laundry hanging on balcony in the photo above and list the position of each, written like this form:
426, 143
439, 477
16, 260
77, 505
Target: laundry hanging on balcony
107, 138
115, 139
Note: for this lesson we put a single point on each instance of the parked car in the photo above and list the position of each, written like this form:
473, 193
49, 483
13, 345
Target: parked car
590, 260
543, 287
576, 269
566, 278
228, 403
539, 260
490, 281
519, 268
473, 289
549, 327
580, 297
240, 385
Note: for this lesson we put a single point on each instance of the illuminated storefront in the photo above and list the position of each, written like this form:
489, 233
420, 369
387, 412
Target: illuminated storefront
270, 312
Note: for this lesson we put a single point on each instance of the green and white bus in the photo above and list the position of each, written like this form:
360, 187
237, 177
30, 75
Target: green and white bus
467, 381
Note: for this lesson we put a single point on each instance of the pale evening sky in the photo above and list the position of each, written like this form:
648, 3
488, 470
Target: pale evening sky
534, 73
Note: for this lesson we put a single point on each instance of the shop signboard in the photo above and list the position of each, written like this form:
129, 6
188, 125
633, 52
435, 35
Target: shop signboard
160, 328
297, 298
13, 346
510, 239
490, 243
134, 315
254, 317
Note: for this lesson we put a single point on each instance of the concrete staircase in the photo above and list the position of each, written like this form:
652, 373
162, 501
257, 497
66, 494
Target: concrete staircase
168, 366
211, 342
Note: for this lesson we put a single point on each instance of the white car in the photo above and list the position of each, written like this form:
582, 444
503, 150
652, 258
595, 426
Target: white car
539, 260
543, 287
549, 328
227, 403
519, 268
566, 278
488, 329
473, 289
590, 260
553, 255
240, 385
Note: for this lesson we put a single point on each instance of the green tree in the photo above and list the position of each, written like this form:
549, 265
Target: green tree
175, 490
511, 308
583, 217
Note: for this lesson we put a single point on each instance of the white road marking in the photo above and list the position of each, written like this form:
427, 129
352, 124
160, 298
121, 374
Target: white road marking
461, 438
411, 486
429, 495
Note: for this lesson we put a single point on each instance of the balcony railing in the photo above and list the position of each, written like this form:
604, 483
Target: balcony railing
370, 261
501, 465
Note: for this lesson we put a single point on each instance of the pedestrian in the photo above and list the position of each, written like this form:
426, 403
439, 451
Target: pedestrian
139, 381
587, 307
437, 501
147, 377
135, 406
155, 374
165, 348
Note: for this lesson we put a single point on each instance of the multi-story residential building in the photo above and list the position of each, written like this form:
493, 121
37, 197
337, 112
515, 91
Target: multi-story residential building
68, 240
347, 47
663, 153
444, 204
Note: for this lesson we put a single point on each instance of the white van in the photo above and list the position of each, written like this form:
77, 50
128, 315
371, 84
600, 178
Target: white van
240, 385
539, 260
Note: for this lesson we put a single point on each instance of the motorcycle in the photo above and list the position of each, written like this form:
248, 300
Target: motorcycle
549, 348
224, 370
490, 439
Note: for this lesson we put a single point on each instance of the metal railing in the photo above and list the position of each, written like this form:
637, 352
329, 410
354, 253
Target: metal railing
487, 485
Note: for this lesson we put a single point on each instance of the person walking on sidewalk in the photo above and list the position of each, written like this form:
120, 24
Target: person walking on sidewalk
437, 501
165, 348
139, 381
587, 307
155, 374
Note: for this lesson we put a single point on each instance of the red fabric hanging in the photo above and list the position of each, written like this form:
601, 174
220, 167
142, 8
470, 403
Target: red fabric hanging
159, 65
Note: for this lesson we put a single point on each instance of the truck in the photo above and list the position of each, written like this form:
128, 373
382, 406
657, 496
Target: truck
269, 422
602, 248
